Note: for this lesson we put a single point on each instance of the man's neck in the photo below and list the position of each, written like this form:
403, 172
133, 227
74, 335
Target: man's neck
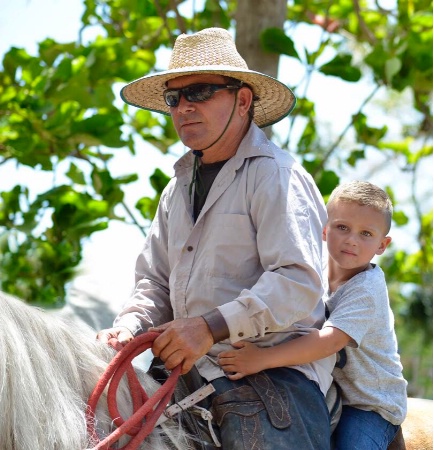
217, 155
225, 149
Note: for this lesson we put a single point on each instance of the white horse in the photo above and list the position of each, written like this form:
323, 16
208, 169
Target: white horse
48, 369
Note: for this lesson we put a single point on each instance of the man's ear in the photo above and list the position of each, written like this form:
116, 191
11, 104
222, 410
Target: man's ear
245, 98
383, 245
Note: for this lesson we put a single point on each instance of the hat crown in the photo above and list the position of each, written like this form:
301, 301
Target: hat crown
209, 47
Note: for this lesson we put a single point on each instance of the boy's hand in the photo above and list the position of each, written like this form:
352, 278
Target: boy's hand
244, 361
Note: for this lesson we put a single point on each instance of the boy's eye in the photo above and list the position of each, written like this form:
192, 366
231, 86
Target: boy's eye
342, 227
366, 233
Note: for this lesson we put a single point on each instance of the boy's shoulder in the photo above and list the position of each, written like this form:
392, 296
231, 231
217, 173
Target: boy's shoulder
368, 284
372, 275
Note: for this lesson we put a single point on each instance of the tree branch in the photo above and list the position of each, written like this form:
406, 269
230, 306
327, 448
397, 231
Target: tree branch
132, 217
370, 37
333, 147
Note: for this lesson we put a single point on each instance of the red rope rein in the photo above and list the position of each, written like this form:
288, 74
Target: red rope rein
146, 411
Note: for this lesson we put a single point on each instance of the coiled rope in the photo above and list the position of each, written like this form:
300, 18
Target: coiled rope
146, 411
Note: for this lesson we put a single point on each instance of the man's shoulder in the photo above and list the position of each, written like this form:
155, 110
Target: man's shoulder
169, 191
257, 146
277, 159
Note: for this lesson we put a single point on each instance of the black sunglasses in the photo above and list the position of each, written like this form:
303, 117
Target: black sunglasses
194, 93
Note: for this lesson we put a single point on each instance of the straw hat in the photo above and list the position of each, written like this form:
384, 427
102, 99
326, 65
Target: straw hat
211, 51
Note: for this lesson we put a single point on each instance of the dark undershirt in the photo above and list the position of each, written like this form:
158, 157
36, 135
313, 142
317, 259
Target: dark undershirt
206, 175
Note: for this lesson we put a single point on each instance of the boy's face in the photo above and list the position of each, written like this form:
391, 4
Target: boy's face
355, 234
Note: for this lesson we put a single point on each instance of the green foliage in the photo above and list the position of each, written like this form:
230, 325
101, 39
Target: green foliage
39, 266
59, 107
59, 114
340, 66
147, 205
409, 277
275, 40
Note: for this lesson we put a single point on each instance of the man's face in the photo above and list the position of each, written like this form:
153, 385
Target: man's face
199, 124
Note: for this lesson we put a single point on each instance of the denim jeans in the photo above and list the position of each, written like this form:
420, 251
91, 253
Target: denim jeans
363, 430
291, 412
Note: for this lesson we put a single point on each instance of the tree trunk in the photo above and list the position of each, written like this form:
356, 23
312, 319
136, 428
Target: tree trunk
252, 17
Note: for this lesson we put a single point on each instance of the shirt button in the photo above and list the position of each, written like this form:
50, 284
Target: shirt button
189, 248
240, 334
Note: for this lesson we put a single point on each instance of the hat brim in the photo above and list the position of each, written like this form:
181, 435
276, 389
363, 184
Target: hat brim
275, 100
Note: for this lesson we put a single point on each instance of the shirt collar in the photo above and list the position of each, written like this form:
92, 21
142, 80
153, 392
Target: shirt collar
255, 143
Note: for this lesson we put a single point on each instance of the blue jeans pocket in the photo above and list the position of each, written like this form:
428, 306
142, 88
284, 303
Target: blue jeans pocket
276, 410
237, 412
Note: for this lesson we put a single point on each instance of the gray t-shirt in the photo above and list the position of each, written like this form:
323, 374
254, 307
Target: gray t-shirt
371, 377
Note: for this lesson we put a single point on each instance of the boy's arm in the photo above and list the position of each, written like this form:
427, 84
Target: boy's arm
310, 347
318, 344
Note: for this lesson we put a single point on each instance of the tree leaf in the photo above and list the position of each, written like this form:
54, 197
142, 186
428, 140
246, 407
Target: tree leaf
276, 41
340, 66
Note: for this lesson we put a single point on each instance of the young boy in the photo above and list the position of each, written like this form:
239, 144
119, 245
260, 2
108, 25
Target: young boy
360, 325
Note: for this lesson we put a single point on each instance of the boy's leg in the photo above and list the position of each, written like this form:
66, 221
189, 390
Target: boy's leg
277, 409
363, 430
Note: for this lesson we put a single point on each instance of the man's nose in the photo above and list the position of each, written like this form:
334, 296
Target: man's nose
184, 105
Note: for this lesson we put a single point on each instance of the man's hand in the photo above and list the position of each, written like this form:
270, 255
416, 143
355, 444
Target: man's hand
182, 341
119, 334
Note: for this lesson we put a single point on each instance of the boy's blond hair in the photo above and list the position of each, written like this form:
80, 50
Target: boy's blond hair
365, 194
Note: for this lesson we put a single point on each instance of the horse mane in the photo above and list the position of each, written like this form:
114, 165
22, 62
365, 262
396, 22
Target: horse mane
48, 368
